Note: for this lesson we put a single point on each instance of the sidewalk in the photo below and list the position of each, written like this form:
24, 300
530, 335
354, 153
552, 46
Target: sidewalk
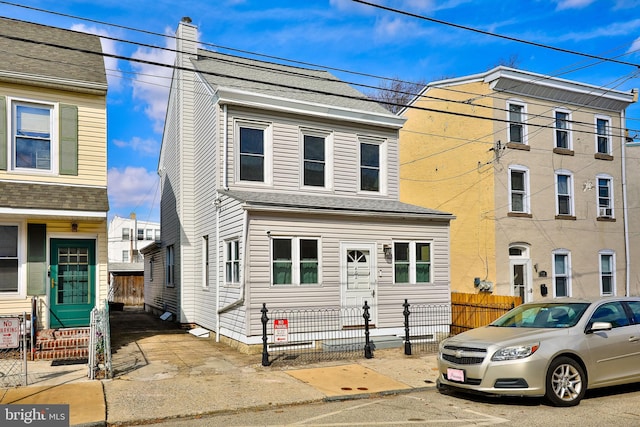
163, 372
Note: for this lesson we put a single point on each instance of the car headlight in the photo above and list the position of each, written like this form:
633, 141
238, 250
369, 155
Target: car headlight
515, 352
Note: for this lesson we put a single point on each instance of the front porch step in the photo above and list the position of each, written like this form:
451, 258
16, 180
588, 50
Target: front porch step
62, 344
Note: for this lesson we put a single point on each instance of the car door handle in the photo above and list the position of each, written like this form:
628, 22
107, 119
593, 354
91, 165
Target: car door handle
634, 339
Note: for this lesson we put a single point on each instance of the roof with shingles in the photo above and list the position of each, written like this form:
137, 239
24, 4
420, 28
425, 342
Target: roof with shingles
22, 195
284, 81
39, 51
372, 206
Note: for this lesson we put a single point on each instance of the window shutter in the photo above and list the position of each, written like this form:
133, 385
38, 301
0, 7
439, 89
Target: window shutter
36, 259
68, 139
3, 133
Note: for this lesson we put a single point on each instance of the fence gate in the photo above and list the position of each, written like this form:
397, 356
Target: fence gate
13, 350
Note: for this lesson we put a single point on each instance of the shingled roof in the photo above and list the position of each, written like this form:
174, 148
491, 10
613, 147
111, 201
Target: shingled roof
21, 195
46, 55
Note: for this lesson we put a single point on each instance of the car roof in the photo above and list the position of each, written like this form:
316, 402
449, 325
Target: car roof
590, 300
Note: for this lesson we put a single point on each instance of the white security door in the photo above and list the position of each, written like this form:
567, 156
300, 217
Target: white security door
359, 280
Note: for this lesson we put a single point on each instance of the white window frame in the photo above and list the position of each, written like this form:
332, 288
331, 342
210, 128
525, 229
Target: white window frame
612, 273
53, 129
526, 208
170, 266
328, 158
21, 257
296, 260
570, 190
231, 249
567, 129
125, 255
205, 261
383, 160
522, 122
567, 254
267, 129
605, 211
413, 261
126, 234
607, 135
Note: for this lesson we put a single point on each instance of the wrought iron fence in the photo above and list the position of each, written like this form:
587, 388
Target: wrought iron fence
14, 330
425, 326
100, 344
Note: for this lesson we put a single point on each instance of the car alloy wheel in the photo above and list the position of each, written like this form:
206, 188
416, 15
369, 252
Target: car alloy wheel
566, 382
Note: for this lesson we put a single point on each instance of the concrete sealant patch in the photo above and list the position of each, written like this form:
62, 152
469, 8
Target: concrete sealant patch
347, 380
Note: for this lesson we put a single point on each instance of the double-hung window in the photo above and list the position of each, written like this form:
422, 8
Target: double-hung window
516, 123
314, 161
372, 165
561, 274
33, 144
605, 197
254, 151
232, 261
519, 189
9, 259
295, 261
562, 130
412, 262
564, 193
607, 273
603, 135
125, 234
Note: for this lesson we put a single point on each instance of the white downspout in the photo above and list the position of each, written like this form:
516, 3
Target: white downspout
624, 206
219, 249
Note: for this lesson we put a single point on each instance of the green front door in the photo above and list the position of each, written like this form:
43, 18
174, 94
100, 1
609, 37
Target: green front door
72, 282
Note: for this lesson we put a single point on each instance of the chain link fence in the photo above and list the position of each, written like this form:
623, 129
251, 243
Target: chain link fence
100, 366
14, 330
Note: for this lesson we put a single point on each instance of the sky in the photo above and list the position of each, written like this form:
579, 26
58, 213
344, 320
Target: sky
359, 43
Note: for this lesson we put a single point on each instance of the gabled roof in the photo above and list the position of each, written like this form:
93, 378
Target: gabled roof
48, 56
332, 204
317, 91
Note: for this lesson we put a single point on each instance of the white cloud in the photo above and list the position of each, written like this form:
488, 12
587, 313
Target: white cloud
151, 84
147, 147
133, 189
573, 4
114, 74
635, 46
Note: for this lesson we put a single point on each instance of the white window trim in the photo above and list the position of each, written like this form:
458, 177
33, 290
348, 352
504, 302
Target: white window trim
568, 268
525, 131
12, 119
205, 261
295, 261
611, 200
232, 260
268, 150
527, 191
413, 262
328, 158
384, 158
608, 134
22, 263
170, 279
570, 189
613, 271
568, 129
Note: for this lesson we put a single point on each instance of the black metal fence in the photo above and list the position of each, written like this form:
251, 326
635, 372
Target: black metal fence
320, 334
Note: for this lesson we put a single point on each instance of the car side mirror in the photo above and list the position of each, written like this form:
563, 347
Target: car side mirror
599, 326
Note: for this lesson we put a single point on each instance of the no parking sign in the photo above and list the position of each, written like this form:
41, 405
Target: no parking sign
281, 330
9, 332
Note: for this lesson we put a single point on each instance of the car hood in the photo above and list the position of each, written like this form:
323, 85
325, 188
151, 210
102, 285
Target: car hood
493, 335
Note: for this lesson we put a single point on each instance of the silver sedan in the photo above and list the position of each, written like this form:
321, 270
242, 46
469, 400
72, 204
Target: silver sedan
558, 349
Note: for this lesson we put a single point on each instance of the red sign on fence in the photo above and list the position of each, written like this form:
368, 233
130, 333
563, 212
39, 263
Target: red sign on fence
281, 330
9, 332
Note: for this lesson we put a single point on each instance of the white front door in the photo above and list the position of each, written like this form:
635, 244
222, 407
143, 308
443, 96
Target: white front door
358, 277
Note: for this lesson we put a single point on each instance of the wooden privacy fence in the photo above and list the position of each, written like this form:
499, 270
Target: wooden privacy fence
128, 289
470, 311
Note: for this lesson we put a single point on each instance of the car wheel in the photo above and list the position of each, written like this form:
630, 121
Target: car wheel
566, 382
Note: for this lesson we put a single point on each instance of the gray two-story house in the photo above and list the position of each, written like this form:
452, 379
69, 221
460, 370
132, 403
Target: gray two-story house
280, 186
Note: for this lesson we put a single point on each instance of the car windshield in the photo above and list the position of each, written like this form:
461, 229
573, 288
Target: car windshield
543, 315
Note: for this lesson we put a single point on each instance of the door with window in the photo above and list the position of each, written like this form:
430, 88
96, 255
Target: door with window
359, 280
72, 282
520, 265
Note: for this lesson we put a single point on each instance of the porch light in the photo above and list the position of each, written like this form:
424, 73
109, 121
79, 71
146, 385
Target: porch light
74, 227
387, 250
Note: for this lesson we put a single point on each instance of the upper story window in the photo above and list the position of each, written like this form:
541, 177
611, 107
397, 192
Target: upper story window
519, 189
254, 151
603, 135
149, 235
561, 273
564, 193
516, 123
33, 145
140, 233
295, 261
125, 234
562, 134
372, 165
125, 256
607, 272
412, 262
317, 164
605, 196
9, 259
232, 261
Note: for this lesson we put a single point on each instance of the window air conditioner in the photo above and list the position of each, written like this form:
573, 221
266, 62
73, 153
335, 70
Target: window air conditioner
605, 212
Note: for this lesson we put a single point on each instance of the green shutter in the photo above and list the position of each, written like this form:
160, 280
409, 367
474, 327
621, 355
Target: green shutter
68, 139
36, 259
3, 133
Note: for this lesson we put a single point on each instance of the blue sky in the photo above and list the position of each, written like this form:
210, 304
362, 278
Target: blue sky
340, 34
